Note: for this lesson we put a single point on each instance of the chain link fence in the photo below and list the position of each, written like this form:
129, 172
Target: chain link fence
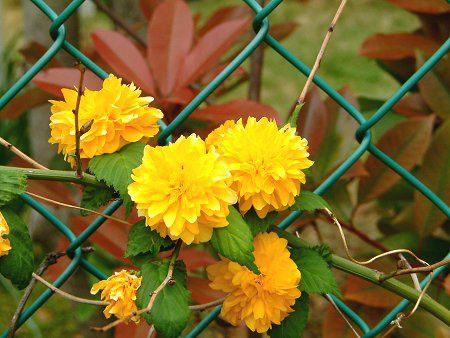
261, 28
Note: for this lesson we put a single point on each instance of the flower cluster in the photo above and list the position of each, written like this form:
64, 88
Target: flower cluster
266, 163
5, 245
259, 300
119, 291
108, 119
182, 190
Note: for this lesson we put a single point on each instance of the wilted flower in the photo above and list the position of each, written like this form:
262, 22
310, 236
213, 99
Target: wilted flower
119, 291
5, 245
108, 119
259, 300
266, 163
182, 190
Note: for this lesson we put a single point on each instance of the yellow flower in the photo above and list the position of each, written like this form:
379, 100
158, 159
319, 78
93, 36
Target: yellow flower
5, 245
111, 117
265, 162
259, 300
182, 190
120, 291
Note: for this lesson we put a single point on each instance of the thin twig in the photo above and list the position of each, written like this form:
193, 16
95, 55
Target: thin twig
301, 99
422, 269
381, 277
78, 208
77, 129
119, 22
342, 315
23, 156
414, 277
151, 331
68, 295
153, 296
364, 237
49, 260
205, 306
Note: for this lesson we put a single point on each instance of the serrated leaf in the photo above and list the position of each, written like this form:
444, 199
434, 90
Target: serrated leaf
170, 312
18, 264
309, 201
324, 251
115, 169
257, 224
93, 198
316, 275
143, 240
12, 184
295, 323
235, 241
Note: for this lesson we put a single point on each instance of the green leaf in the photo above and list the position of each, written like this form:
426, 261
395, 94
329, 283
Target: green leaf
235, 241
324, 251
434, 173
12, 184
434, 86
316, 275
143, 240
94, 197
18, 264
294, 324
115, 169
170, 312
257, 224
294, 117
309, 201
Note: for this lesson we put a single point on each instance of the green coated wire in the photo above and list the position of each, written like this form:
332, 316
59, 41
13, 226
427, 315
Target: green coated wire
261, 27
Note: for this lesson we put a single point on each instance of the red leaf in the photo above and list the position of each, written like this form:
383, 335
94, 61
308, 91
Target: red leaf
234, 110
148, 6
33, 51
130, 64
196, 259
421, 6
282, 30
209, 49
201, 292
170, 36
224, 14
132, 330
396, 46
366, 293
312, 120
356, 170
412, 105
54, 79
24, 101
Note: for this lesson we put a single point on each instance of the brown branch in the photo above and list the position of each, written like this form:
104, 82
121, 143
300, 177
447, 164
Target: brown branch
205, 306
77, 129
119, 22
422, 269
23, 156
79, 208
68, 295
153, 296
301, 99
49, 260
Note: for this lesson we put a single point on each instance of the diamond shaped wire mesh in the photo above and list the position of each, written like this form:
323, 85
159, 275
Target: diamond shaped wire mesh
261, 28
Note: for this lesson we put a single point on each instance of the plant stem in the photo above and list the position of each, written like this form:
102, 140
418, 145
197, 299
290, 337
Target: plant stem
373, 276
154, 294
56, 175
77, 128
